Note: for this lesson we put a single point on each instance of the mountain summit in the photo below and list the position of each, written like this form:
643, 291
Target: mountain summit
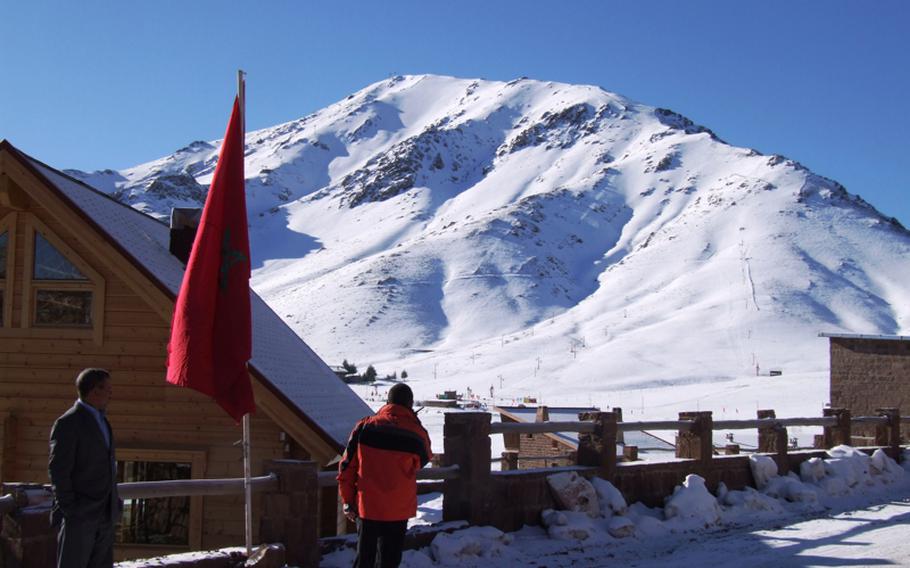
550, 236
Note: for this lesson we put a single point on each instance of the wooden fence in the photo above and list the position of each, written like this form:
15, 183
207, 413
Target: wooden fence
509, 499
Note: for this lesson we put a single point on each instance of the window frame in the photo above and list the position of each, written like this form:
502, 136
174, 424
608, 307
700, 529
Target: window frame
94, 283
8, 226
197, 459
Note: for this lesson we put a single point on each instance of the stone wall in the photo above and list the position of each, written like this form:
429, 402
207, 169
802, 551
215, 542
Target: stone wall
28, 540
511, 499
519, 498
545, 447
867, 374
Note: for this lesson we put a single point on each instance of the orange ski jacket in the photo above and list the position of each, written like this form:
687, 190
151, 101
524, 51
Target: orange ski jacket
378, 471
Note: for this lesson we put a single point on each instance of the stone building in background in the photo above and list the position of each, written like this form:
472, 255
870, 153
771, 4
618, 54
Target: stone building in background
869, 372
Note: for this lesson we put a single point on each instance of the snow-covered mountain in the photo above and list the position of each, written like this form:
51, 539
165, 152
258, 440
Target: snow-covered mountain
557, 240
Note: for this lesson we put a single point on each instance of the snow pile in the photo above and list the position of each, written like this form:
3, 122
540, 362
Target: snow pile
821, 484
789, 487
812, 470
611, 500
850, 465
621, 527
574, 493
884, 466
748, 500
691, 502
471, 544
572, 525
763, 469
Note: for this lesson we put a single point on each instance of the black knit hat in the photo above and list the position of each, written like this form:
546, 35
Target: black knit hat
401, 394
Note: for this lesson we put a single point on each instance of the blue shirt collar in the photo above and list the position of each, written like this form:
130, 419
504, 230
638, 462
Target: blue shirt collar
99, 420
95, 412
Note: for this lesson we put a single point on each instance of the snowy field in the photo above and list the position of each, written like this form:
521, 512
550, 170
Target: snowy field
791, 396
846, 510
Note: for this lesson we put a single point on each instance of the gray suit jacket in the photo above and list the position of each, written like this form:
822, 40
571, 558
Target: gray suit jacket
82, 468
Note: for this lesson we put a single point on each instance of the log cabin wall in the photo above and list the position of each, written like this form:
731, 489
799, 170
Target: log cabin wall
149, 417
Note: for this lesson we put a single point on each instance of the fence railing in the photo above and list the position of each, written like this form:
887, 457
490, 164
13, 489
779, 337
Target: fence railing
291, 490
327, 478
695, 429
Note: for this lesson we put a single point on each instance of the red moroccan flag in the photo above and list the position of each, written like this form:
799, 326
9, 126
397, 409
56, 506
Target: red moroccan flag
210, 335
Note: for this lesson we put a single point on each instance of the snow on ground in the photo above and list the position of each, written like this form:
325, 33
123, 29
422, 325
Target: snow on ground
847, 510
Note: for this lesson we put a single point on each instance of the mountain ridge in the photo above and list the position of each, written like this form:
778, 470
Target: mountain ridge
426, 221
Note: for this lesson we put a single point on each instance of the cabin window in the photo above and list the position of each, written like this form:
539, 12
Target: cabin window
160, 522
63, 295
50, 264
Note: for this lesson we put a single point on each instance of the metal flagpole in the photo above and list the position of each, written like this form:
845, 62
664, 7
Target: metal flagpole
247, 486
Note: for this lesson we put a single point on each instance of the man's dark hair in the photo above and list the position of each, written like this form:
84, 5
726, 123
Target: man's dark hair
401, 394
90, 378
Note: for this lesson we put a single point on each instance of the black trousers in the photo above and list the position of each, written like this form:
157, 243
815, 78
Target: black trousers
86, 543
379, 543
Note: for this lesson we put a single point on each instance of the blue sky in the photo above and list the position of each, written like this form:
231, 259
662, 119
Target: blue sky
94, 84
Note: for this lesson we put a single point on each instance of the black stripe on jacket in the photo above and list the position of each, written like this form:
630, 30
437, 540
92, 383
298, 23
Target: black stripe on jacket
351, 450
385, 437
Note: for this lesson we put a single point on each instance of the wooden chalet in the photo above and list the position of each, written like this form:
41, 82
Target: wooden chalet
86, 281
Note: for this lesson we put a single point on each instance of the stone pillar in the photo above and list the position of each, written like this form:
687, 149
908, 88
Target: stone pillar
620, 439
773, 440
598, 448
696, 444
467, 445
630, 453
290, 514
767, 439
890, 434
543, 414
27, 539
731, 450
509, 460
840, 432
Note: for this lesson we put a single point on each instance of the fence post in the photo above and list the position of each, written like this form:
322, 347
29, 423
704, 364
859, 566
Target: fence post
890, 434
839, 434
598, 448
290, 514
773, 440
766, 438
28, 539
509, 460
620, 436
696, 444
467, 445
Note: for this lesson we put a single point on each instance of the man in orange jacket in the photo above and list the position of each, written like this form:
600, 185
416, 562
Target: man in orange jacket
377, 477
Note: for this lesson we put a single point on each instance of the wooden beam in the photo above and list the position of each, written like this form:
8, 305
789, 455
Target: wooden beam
11, 195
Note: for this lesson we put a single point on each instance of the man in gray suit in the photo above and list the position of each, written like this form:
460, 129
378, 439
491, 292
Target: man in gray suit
83, 472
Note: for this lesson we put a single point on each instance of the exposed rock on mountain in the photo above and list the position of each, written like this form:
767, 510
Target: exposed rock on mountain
429, 218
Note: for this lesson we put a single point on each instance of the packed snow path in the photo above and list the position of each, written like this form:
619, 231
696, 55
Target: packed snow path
872, 536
